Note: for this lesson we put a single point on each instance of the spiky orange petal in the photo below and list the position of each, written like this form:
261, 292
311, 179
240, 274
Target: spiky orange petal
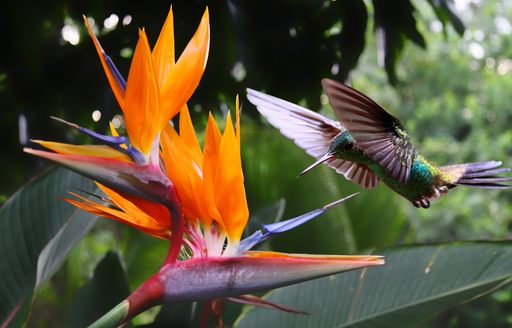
188, 135
142, 110
154, 213
163, 53
210, 163
229, 180
183, 78
85, 150
185, 173
137, 219
114, 133
119, 93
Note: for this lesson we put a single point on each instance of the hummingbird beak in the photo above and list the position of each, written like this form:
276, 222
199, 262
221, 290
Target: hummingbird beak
319, 161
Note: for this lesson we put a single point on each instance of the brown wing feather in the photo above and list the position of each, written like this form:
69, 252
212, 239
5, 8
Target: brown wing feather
379, 134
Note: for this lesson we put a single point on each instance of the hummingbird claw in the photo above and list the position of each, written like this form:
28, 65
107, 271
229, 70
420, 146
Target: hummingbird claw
424, 203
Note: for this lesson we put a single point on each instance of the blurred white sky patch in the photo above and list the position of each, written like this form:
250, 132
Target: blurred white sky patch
504, 66
117, 121
478, 35
70, 32
127, 20
110, 23
96, 115
238, 72
22, 128
436, 26
461, 5
503, 25
476, 50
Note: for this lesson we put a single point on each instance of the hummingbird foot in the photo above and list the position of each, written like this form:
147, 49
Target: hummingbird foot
423, 202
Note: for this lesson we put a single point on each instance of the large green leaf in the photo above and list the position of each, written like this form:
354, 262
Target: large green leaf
107, 287
416, 282
37, 230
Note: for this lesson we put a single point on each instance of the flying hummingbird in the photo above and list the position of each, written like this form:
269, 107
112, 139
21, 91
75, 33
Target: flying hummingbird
370, 145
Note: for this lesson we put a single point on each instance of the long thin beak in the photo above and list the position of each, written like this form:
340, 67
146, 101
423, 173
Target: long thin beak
319, 161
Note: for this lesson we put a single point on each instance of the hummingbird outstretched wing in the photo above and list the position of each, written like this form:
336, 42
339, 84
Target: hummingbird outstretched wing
310, 131
379, 134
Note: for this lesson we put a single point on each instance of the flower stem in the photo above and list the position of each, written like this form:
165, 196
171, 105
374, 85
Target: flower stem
114, 317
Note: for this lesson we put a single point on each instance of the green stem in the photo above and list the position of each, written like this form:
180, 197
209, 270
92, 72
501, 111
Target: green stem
114, 317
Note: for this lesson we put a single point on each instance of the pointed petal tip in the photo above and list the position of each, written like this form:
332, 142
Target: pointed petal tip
61, 120
339, 201
28, 150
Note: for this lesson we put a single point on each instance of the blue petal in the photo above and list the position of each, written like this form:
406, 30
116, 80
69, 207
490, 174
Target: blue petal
119, 78
134, 154
112, 141
269, 230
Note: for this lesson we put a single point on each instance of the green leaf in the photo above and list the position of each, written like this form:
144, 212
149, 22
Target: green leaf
382, 224
37, 230
416, 282
445, 12
107, 287
143, 256
351, 40
394, 24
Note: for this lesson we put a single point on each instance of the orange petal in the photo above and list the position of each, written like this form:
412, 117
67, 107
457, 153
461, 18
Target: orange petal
163, 53
135, 214
188, 136
376, 259
137, 206
237, 124
229, 182
138, 220
117, 88
114, 133
185, 173
184, 77
210, 163
141, 112
85, 150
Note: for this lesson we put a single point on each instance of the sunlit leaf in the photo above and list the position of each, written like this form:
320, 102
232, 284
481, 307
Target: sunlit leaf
37, 230
415, 283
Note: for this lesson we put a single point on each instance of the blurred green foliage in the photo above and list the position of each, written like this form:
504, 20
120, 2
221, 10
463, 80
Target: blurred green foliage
453, 98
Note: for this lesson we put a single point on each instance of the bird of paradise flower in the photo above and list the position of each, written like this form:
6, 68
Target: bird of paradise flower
162, 183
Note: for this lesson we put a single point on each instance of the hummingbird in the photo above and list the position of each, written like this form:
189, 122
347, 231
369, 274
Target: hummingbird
369, 145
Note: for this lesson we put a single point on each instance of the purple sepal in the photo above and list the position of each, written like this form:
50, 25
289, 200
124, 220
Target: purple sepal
119, 78
268, 230
134, 154
111, 140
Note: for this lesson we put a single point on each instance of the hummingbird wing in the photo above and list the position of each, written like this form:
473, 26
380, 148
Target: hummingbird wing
379, 134
310, 131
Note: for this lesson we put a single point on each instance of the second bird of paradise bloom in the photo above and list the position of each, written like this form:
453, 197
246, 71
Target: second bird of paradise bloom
160, 176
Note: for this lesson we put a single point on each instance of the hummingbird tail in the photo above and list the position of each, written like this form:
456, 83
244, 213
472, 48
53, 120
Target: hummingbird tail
319, 161
477, 175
